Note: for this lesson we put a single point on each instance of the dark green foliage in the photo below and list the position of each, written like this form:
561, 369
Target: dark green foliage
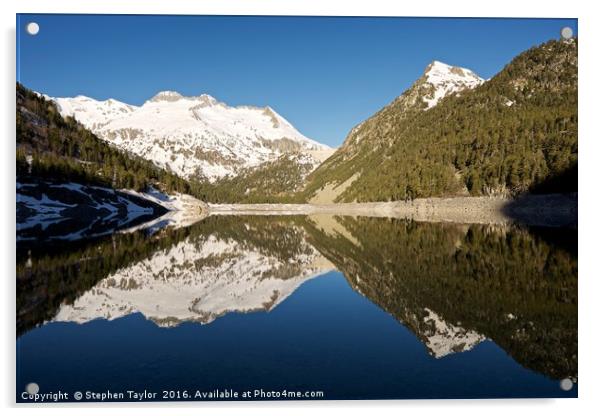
473, 142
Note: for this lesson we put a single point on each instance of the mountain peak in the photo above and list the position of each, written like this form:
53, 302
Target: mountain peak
172, 96
166, 96
438, 70
447, 79
206, 99
436, 65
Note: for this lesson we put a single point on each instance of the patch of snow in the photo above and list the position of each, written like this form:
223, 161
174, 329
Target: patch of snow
47, 211
444, 338
183, 209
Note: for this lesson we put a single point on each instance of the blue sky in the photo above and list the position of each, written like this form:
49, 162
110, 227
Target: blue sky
323, 74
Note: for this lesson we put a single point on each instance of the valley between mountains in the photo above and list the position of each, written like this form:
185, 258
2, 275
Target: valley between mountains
453, 147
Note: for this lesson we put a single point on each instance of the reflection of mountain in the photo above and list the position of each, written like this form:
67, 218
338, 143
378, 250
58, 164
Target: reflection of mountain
219, 265
49, 275
443, 338
199, 279
455, 285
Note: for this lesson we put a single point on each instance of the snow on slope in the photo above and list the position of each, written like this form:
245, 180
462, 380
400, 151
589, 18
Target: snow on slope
91, 113
197, 280
193, 136
437, 82
75, 211
446, 79
444, 338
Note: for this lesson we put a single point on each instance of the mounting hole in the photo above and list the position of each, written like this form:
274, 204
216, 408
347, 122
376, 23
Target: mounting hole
566, 33
566, 384
32, 28
32, 388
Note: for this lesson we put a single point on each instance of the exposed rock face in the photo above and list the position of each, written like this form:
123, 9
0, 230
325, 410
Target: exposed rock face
440, 80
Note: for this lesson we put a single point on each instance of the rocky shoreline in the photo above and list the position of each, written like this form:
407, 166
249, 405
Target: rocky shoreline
555, 210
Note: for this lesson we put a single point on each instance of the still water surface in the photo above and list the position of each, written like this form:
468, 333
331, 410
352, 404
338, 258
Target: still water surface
355, 308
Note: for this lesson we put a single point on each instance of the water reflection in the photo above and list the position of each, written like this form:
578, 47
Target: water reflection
203, 277
453, 286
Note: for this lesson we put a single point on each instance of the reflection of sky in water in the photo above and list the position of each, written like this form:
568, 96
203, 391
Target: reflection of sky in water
317, 333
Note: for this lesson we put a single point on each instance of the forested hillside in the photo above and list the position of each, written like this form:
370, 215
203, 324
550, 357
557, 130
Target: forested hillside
514, 133
270, 182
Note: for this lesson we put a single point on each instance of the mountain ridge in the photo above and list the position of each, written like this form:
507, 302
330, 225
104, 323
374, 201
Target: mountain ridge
197, 137
437, 81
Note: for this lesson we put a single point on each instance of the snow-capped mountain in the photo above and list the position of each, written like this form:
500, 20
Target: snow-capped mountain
195, 137
198, 280
443, 80
91, 113
437, 82
330, 180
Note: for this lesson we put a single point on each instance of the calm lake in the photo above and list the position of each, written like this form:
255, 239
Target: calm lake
331, 307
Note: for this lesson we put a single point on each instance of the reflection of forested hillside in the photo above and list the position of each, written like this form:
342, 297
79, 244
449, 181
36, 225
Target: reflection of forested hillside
505, 284
56, 273
52, 274
281, 237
